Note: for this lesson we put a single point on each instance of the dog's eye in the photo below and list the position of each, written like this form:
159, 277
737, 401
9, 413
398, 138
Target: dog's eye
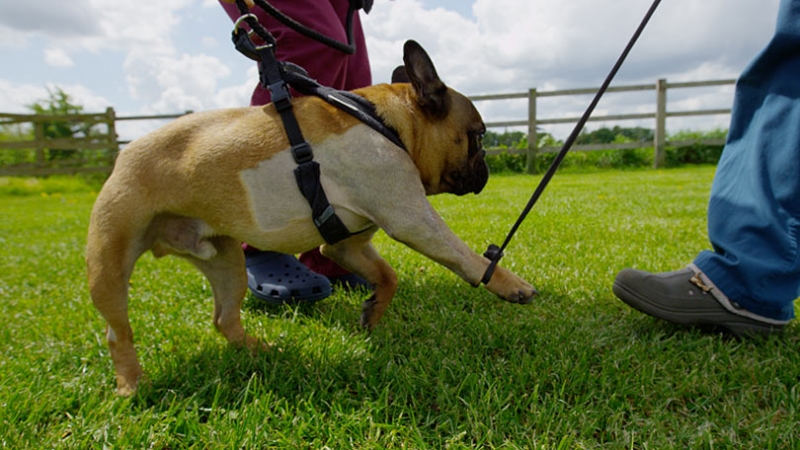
478, 137
475, 141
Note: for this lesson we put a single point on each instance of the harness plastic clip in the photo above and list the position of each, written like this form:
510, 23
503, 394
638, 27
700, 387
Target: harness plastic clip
324, 217
302, 153
281, 97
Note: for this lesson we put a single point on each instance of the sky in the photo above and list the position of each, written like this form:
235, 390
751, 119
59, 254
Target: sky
169, 56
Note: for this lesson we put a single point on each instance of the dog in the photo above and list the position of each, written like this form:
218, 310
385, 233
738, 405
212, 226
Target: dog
203, 184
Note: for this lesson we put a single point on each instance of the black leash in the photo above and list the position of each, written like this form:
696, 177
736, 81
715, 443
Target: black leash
348, 48
494, 253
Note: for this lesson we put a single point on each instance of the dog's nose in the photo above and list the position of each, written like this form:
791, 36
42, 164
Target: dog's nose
480, 175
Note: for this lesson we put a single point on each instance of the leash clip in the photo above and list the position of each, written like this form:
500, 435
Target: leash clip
493, 253
240, 19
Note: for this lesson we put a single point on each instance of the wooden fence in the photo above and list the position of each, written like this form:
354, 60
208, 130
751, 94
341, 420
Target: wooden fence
46, 156
95, 147
660, 116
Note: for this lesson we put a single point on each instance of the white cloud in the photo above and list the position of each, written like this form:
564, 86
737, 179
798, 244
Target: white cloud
49, 17
57, 57
449, 38
10, 38
14, 98
86, 97
168, 83
503, 46
513, 45
17, 97
237, 95
209, 42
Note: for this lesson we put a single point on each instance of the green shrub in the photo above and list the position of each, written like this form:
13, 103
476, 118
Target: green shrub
505, 162
695, 153
61, 184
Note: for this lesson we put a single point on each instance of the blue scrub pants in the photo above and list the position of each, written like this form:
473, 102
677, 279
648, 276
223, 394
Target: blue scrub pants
754, 208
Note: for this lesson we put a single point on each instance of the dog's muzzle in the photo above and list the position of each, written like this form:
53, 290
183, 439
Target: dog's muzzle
472, 177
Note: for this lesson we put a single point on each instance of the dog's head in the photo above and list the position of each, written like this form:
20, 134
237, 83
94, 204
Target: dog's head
446, 138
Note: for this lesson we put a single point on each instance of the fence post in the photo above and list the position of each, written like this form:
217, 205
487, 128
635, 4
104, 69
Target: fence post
660, 135
38, 136
111, 121
532, 138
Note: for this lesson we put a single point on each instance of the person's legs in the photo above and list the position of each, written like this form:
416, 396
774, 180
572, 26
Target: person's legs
687, 297
279, 278
753, 274
754, 209
276, 277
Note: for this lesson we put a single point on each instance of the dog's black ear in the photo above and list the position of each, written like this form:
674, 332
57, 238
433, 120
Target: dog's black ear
399, 75
431, 92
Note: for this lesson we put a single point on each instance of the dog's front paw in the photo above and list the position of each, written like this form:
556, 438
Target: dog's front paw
523, 296
372, 310
256, 347
368, 320
128, 386
510, 287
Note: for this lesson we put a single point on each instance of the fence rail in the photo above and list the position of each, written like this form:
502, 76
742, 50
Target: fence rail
660, 116
93, 146
94, 150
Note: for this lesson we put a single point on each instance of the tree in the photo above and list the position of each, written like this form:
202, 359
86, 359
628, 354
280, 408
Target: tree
617, 134
516, 140
59, 103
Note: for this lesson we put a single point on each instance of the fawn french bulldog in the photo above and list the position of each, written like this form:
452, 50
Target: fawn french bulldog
206, 182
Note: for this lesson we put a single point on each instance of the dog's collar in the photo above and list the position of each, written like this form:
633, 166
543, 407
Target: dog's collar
353, 104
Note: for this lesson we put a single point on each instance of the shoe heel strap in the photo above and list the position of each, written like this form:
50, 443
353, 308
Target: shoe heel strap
705, 283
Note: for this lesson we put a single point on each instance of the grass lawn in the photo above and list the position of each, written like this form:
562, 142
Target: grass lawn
449, 366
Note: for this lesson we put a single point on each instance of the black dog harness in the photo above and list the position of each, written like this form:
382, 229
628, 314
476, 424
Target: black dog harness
276, 77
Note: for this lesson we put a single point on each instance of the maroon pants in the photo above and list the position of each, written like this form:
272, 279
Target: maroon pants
328, 66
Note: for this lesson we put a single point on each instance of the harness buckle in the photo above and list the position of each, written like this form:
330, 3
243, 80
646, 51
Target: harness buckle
330, 226
324, 217
302, 153
281, 97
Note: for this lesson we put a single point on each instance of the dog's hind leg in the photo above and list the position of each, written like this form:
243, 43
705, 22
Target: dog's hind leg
228, 277
358, 255
221, 260
110, 256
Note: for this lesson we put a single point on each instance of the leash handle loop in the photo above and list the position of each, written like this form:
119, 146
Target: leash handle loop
494, 253
347, 48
